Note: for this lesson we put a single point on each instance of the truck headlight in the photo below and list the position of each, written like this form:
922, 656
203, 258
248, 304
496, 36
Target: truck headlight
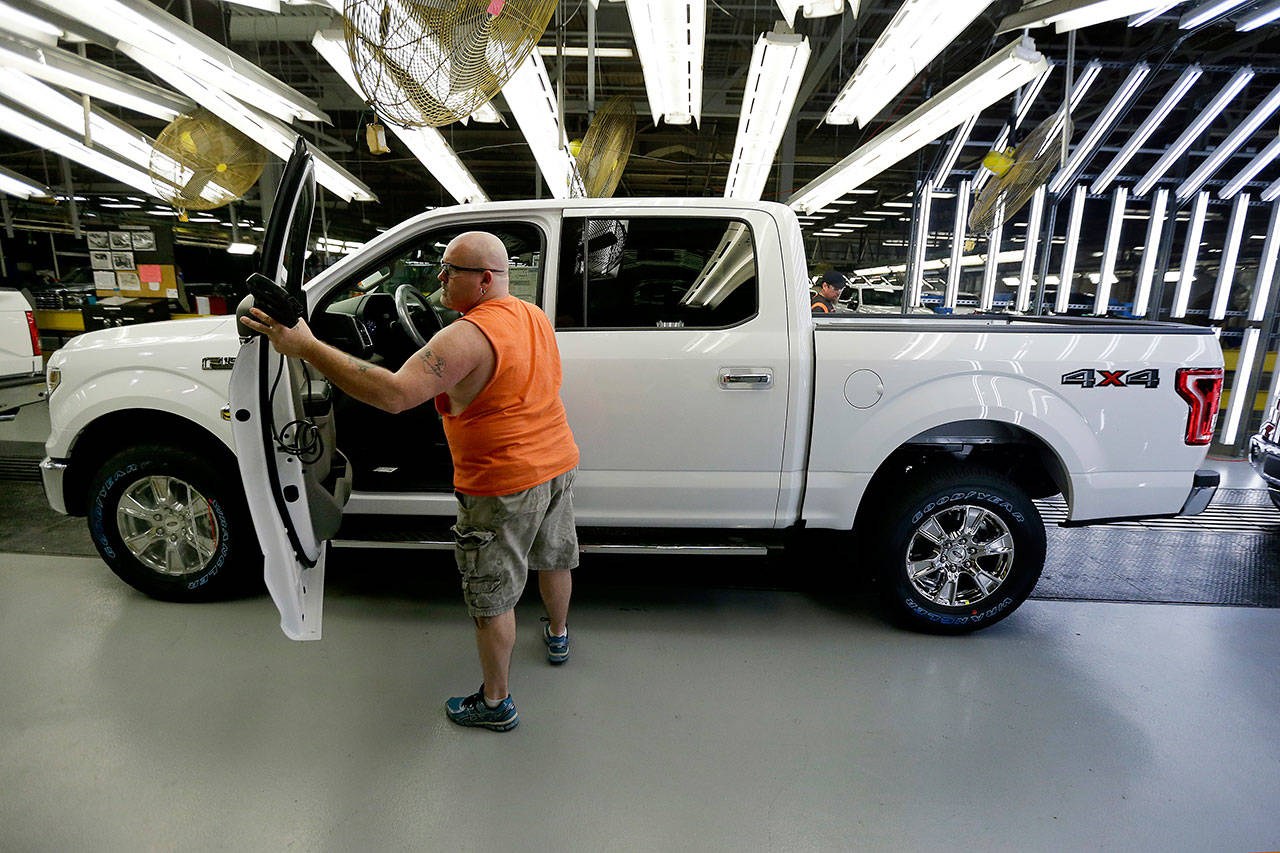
52, 379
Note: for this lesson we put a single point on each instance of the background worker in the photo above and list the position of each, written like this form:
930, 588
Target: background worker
829, 290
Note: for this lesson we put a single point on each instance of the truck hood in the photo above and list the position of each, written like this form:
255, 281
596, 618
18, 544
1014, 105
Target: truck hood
165, 333
170, 345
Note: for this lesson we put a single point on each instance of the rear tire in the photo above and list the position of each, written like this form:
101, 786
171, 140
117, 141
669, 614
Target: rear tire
173, 526
958, 549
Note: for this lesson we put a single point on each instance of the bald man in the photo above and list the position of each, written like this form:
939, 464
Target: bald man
495, 380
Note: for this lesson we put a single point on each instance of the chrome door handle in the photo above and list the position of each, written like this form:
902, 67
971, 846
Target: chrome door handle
746, 378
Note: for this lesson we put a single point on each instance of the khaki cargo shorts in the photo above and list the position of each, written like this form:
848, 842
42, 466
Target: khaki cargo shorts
498, 540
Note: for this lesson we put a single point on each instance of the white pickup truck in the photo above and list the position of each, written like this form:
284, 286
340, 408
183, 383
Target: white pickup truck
714, 413
21, 361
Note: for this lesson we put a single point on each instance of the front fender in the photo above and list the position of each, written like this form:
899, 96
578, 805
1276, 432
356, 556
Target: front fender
198, 399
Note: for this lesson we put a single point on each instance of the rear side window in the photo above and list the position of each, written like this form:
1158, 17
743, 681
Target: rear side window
656, 273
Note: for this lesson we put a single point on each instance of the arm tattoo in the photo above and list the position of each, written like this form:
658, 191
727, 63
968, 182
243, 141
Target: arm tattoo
433, 362
360, 366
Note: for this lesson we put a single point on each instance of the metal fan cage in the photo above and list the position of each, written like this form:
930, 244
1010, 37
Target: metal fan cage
607, 147
431, 62
199, 162
1033, 161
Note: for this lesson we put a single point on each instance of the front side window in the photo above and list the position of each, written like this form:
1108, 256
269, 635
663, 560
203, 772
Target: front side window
362, 316
656, 273
418, 264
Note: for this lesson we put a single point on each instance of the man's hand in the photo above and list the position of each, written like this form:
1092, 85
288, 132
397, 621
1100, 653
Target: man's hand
291, 342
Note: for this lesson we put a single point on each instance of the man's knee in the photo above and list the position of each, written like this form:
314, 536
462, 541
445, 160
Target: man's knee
483, 622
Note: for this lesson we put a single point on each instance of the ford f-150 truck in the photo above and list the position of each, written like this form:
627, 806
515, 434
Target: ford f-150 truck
714, 414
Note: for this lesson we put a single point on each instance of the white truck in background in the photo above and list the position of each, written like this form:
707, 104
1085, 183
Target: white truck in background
714, 413
21, 361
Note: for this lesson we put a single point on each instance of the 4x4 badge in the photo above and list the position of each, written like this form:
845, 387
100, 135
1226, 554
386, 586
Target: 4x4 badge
1091, 378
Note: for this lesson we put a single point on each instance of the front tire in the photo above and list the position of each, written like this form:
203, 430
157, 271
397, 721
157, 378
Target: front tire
171, 525
959, 549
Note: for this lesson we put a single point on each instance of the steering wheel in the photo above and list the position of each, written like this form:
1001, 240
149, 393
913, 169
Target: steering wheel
416, 315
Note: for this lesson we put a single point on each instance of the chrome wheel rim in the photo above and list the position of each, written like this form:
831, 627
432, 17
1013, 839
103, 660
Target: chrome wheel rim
960, 556
167, 525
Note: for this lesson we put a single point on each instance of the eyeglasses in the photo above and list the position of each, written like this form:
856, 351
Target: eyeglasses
450, 270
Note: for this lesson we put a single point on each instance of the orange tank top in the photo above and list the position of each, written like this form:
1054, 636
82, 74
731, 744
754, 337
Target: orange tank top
515, 434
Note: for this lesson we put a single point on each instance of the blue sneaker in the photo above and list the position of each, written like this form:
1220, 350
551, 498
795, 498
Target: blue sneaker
557, 647
472, 711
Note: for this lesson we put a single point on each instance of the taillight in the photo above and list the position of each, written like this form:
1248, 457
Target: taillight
35, 333
1201, 387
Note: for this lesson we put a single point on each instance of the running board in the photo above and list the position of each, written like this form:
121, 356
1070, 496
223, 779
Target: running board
369, 532
684, 550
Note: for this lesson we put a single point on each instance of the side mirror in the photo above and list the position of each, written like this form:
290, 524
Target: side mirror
267, 296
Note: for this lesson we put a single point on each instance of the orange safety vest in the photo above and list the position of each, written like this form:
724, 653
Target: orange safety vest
514, 435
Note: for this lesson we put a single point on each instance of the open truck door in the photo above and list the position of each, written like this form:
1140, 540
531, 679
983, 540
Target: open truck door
295, 480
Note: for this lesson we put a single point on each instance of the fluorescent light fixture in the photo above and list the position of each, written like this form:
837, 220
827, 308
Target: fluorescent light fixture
581, 52
345, 247
1190, 253
1175, 94
669, 35
1198, 126
1264, 14
1266, 267
987, 83
29, 26
957, 245
1240, 384
147, 27
1029, 250
987, 298
1100, 127
1067, 15
953, 150
1249, 172
773, 81
272, 6
72, 71
1063, 296
1147, 268
1206, 12
905, 204
921, 236
426, 143
731, 264
532, 101
814, 8
242, 248
105, 131
1229, 145
1151, 14
1230, 251
919, 31
45, 136
1028, 96
11, 183
271, 134
1102, 298
1272, 192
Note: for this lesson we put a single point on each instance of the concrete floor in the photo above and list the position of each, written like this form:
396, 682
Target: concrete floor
688, 718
